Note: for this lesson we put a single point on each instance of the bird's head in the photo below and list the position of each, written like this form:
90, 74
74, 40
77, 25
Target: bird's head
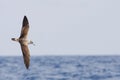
14, 39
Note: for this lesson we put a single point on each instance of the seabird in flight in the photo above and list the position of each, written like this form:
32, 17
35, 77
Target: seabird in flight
24, 42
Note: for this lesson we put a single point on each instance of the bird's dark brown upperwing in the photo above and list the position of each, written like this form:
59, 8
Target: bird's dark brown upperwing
26, 54
25, 28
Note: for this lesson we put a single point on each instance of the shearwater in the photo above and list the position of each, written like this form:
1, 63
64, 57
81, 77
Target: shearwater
23, 40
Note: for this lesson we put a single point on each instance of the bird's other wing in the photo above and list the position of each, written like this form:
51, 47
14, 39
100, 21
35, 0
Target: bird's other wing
26, 54
25, 28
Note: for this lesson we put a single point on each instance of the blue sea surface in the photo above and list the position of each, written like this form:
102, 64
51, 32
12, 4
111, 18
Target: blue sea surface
61, 68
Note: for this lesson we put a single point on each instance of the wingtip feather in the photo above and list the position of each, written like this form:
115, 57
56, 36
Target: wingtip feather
25, 21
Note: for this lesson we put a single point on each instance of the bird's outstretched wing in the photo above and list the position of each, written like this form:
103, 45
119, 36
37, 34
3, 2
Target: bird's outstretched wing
26, 54
25, 28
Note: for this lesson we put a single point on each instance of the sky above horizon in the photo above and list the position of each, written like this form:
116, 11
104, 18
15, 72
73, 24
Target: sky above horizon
62, 27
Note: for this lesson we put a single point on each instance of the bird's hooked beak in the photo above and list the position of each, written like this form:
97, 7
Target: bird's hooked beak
13, 39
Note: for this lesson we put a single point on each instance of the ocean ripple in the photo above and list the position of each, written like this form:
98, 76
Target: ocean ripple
61, 68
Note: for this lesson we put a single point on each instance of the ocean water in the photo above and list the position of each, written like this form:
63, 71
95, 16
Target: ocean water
61, 68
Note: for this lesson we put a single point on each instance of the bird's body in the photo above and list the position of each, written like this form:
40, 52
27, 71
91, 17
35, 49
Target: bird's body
24, 42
